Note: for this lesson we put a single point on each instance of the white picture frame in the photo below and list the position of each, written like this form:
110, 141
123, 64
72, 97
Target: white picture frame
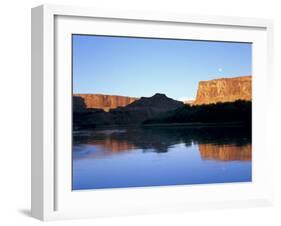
52, 197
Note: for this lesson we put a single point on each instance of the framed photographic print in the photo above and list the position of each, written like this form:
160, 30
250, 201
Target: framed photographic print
137, 112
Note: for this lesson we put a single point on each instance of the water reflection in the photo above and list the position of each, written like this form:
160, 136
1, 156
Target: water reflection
133, 157
225, 152
226, 144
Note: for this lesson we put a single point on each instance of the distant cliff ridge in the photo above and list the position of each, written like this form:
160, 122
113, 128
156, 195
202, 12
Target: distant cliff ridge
82, 102
224, 90
231, 95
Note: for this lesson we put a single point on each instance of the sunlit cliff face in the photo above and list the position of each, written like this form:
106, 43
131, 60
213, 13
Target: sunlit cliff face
225, 152
100, 101
224, 90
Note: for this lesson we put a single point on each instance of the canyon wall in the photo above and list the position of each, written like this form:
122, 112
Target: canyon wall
224, 90
82, 102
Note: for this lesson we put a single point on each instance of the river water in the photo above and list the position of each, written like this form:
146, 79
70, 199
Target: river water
158, 156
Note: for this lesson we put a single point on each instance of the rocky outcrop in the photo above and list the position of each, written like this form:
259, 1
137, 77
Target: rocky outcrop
145, 108
224, 90
82, 102
158, 102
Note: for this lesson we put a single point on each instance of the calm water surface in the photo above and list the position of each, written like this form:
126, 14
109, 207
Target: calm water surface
137, 157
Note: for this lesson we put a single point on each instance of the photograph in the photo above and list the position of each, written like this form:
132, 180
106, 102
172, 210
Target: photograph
160, 112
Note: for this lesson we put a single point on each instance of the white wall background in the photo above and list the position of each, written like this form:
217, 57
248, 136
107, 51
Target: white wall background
15, 112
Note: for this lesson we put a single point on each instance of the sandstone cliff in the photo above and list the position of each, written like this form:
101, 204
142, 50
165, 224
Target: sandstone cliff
224, 90
82, 102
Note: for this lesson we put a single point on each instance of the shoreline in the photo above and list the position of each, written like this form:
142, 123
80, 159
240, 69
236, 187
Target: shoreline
197, 124
169, 125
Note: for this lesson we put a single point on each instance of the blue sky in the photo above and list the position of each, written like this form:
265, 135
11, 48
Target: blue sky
142, 67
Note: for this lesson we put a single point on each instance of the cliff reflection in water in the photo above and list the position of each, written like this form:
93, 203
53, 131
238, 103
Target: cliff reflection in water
224, 144
155, 156
225, 152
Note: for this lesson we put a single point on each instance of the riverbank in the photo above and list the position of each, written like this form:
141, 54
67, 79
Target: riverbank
170, 125
198, 124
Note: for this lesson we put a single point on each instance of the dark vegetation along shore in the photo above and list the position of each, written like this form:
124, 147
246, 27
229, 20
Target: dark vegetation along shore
230, 112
